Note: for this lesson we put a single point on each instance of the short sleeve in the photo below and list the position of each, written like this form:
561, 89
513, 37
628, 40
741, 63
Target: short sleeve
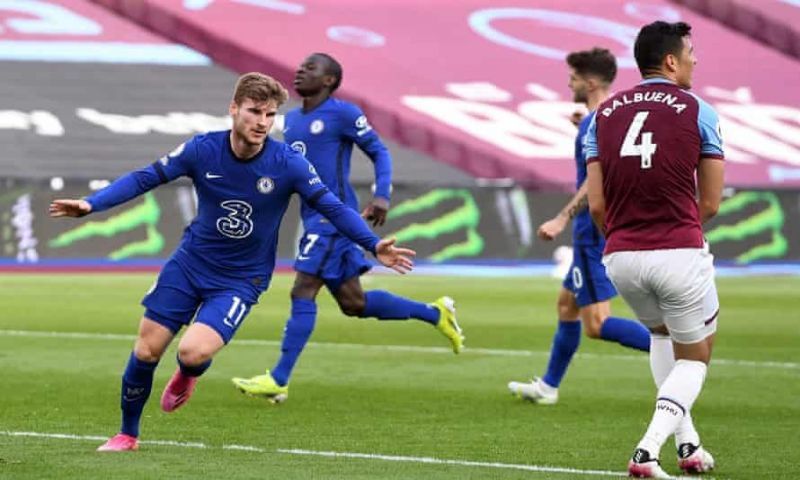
710, 132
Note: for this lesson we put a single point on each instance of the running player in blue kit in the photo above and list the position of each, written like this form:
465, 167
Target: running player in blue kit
225, 260
325, 129
586, 292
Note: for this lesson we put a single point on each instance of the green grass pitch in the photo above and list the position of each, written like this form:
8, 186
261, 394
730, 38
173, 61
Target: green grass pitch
391, 391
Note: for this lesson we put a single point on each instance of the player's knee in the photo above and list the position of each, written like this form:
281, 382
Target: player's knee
592, 324
194, 354
303, 291
352, 307
147, 352
566, 310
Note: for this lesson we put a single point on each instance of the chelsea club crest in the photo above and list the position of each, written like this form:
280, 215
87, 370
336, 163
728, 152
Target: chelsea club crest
265, 185
317, 126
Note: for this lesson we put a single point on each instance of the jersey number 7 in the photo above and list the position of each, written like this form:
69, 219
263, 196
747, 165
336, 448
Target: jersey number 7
643, 150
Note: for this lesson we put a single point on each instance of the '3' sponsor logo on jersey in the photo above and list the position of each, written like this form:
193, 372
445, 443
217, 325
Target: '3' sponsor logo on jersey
237, 224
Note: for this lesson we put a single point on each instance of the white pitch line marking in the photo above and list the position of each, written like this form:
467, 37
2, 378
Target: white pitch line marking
406, 348
462, 463
294, 451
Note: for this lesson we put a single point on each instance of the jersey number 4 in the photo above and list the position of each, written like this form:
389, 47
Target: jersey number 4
643, 150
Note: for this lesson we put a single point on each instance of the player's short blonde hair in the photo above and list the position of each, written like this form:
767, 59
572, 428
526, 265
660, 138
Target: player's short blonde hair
260, 88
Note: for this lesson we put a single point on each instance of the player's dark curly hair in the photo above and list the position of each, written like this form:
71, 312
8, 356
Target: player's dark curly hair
657, 40
598, 62
334, 68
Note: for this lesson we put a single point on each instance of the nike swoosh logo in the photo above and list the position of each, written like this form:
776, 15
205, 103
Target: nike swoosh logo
302, 257
212, 176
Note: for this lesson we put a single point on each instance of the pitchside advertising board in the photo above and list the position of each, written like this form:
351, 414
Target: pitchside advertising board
444, 225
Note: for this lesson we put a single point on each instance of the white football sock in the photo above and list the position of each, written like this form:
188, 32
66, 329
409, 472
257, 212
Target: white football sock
686, 433
662, 360
675, 399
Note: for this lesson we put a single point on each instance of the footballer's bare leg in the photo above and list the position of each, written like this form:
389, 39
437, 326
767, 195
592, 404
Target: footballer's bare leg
152, 340
699, 351
593, 316
566, 306
350, 297
197, 347
598, 323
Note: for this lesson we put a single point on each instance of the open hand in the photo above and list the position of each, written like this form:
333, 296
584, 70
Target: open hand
69, 208
396, 258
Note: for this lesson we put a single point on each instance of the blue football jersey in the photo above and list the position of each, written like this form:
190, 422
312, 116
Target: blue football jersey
325, 136
240, 203
584, 231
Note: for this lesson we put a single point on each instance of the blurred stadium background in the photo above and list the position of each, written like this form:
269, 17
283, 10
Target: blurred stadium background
471, 98
477, 120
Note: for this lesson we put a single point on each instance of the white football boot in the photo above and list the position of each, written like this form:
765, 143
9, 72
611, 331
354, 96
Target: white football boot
535, 391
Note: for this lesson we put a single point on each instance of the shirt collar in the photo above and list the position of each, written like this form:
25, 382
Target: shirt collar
656, 80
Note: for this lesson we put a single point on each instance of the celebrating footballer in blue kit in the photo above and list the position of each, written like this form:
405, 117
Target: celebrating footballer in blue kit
325, 129
225, 260
587, 291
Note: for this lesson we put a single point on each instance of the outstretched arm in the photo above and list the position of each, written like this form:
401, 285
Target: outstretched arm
121, 190
131, 185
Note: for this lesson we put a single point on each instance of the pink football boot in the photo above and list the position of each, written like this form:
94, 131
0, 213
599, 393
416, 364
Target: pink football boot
178, 391
119, 443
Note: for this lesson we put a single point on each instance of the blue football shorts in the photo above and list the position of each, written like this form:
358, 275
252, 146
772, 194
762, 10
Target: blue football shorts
587, 277
330, 257
181, 294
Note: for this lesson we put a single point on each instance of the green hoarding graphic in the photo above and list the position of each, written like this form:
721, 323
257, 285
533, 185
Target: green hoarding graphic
467, 216
145, 214
441, 224
770, 221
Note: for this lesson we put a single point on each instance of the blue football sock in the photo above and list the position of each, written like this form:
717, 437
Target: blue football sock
137, 382
565, 343
387, 306
626, 332
295, 336
193, 370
